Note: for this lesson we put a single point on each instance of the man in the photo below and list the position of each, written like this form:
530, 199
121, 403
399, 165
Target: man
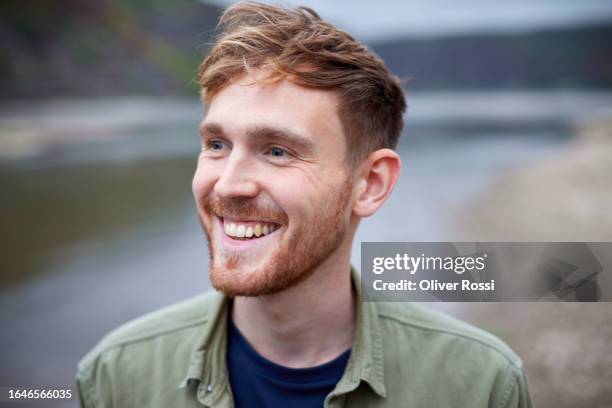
297, 147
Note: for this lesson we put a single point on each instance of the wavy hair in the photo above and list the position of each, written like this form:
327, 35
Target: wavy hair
296, 44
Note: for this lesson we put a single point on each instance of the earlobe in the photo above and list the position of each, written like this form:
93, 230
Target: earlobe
378, 177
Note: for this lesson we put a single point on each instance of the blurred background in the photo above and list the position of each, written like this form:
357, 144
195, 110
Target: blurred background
508, 138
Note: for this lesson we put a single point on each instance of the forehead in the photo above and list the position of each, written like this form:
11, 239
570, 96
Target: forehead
307, 111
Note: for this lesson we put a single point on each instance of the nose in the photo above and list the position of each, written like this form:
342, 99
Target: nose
237, 177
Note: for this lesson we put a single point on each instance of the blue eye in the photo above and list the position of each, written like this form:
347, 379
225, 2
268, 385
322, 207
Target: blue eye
216, 145
278, 152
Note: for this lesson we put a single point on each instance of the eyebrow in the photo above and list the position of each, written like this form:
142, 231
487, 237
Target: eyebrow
265, 132
210, 128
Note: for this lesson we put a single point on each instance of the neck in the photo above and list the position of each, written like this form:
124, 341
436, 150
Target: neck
306, 325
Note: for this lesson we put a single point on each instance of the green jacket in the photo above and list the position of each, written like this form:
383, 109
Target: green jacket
403, 355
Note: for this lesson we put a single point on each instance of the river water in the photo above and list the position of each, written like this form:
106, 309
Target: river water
99, 226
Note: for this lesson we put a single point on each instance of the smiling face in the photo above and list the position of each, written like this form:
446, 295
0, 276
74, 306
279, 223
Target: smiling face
272, 187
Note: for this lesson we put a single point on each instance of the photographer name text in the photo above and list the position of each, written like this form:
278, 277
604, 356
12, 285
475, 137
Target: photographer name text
433, 285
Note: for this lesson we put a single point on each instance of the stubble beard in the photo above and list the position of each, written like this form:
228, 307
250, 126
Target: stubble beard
295, 257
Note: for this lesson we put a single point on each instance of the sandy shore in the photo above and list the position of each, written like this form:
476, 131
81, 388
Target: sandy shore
565, 198
567, 347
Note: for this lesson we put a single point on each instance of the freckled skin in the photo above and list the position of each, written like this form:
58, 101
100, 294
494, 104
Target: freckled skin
309, 190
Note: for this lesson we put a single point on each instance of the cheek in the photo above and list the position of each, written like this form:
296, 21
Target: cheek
309, 196
203, 181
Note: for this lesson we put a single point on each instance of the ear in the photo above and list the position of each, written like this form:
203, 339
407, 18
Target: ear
377, 177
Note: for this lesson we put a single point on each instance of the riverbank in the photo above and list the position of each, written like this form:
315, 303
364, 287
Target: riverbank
566, 197
566, 347
42, 129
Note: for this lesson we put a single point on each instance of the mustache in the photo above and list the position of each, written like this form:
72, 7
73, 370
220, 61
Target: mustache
243, 208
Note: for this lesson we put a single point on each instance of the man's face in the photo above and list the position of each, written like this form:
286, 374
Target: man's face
272, 187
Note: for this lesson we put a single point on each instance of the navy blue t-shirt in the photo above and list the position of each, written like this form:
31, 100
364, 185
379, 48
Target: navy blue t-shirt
259, 383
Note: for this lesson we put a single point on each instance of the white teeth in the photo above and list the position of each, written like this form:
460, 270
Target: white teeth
250, 231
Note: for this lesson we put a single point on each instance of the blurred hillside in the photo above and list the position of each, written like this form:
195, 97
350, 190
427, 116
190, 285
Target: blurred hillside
69, 48
569, 57
63, 48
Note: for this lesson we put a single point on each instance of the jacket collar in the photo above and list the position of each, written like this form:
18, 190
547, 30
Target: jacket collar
208, 367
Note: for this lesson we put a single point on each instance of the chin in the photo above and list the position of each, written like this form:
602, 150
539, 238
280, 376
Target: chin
233, 279
236, 281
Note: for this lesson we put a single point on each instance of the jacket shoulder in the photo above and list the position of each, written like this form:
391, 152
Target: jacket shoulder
167, 321
425, 348
441, 327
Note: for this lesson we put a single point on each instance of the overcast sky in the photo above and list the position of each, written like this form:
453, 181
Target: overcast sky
375, 20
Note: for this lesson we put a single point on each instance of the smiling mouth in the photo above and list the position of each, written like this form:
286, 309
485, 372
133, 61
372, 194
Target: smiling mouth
247, 230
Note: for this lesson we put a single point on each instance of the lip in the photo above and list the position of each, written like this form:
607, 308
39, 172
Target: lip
249, 220
239, 245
